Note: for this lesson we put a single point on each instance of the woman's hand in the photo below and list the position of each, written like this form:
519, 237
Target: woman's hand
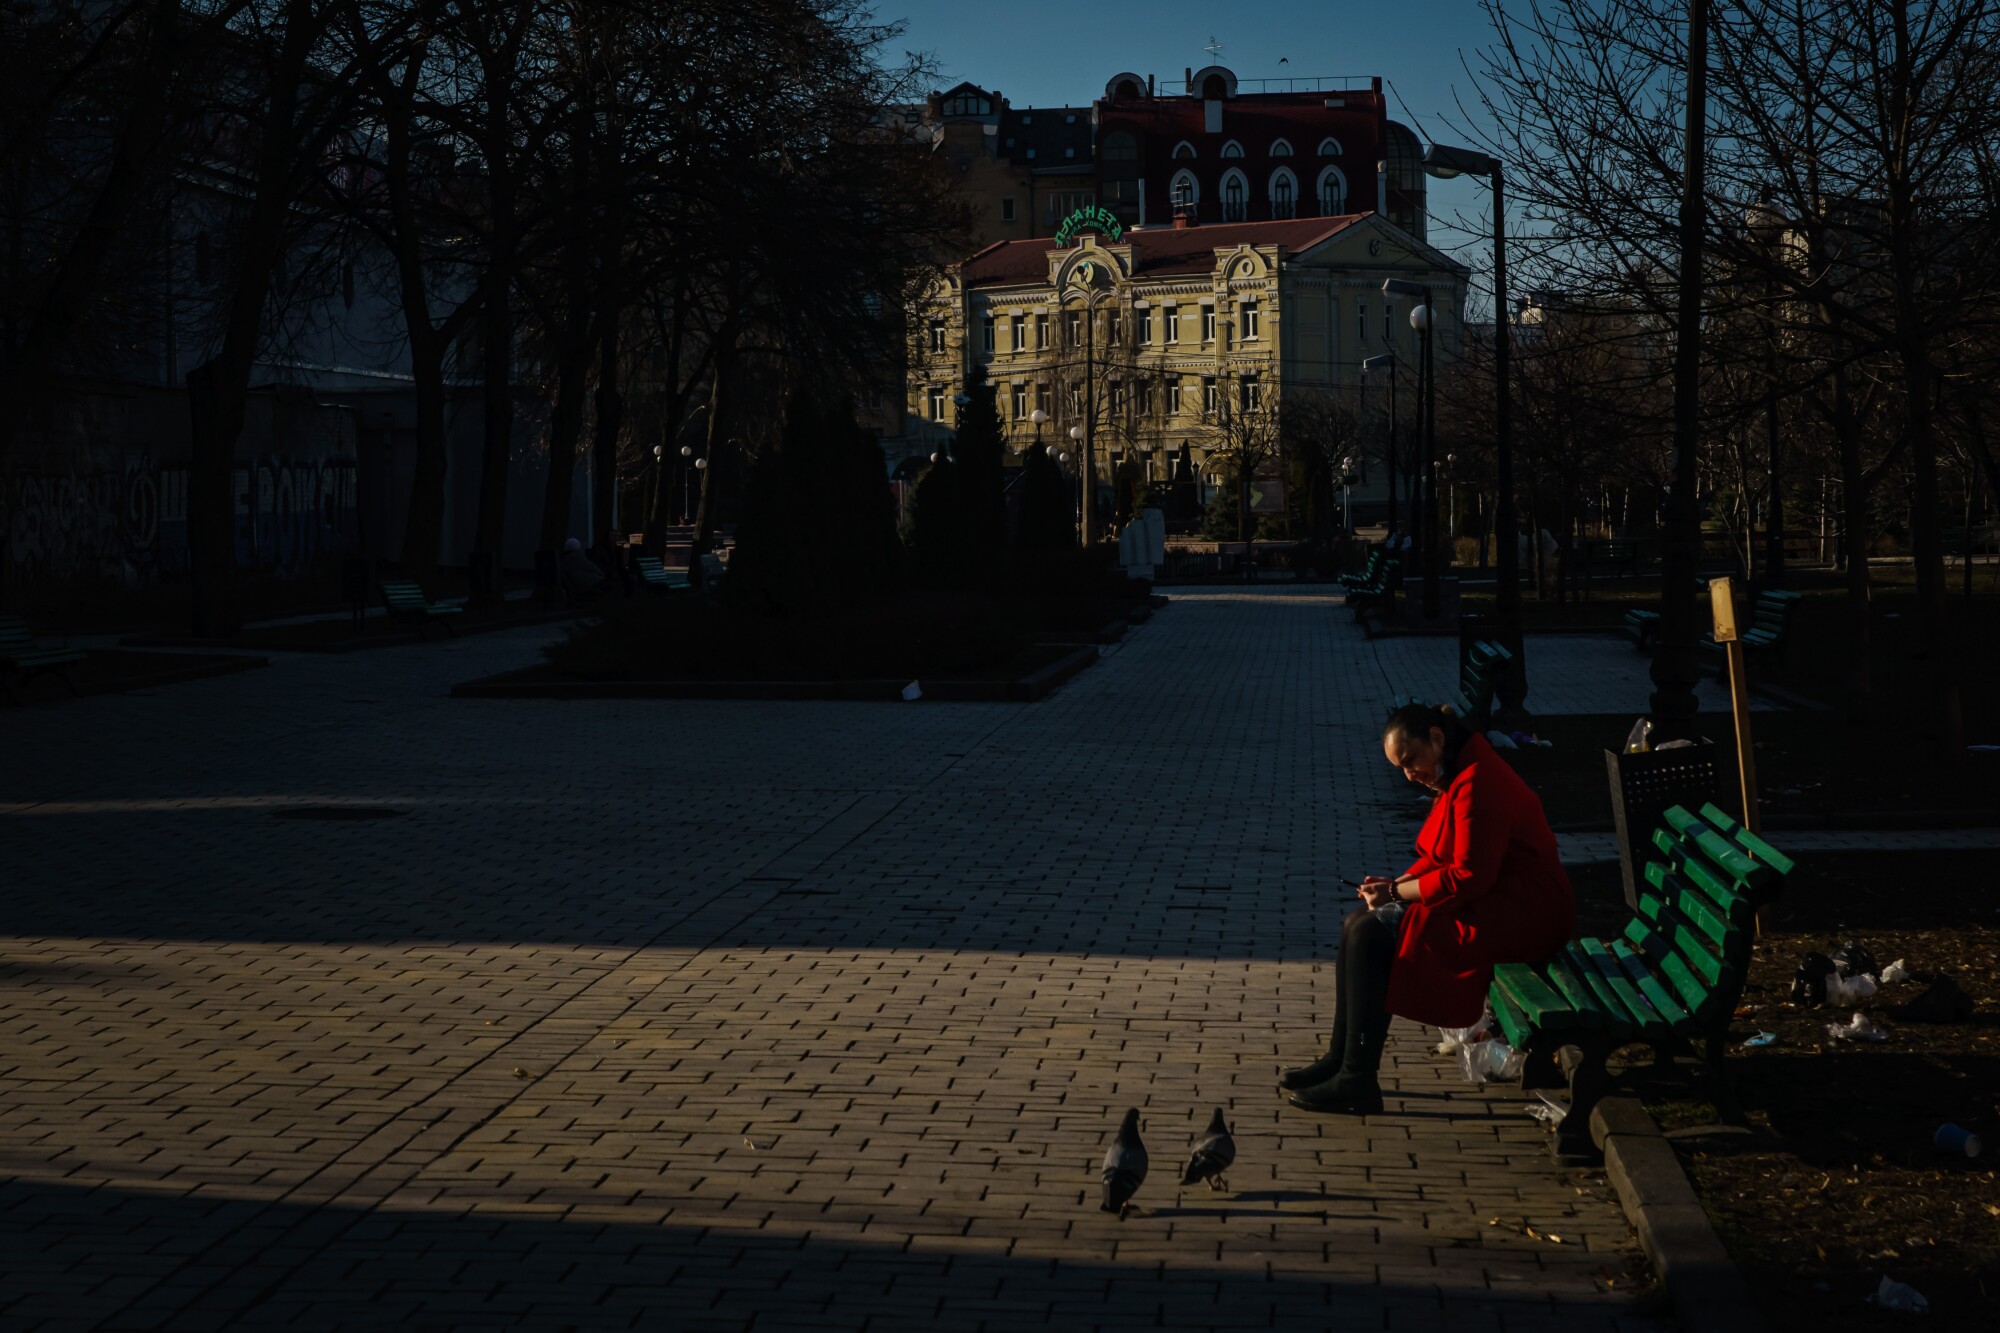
1376, 891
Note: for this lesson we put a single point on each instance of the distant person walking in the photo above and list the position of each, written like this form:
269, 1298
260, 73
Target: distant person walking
1486, 888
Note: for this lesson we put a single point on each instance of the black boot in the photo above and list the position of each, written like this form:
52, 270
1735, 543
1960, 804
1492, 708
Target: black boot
1354, 1090
1319, 1071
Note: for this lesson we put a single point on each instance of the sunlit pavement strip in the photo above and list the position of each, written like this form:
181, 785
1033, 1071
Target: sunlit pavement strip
686, 1014
1585, 848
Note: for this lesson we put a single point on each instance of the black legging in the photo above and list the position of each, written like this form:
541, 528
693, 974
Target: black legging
1361, 992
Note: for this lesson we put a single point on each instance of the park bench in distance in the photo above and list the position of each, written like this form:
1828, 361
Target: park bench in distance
1643, 624
1377, 595
406, 599
1369, 571
656, 574
1481, 673
23, 660
1771, 621
1620, 554
1676, 972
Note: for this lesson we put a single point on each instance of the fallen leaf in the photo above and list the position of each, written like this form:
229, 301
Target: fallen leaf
1994, 1209
1555, 1238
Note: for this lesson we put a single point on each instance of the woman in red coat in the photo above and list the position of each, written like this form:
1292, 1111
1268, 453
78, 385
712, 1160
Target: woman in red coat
1486, 888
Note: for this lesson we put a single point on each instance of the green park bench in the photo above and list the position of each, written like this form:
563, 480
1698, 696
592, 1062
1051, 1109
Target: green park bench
1378, 594
407, 600
24, 661
713, 568
659, 576
1477, 678
1369, 571
1676, 972
1770, 623
1612, 554
1642, 624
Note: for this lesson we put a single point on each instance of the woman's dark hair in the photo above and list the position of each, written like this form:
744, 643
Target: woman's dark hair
1413, 722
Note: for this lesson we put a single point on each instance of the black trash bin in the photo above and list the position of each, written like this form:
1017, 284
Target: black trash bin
1645, 786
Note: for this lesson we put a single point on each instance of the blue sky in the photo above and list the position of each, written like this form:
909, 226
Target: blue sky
1052, 52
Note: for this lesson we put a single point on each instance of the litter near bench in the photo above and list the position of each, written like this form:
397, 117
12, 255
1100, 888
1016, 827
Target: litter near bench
1452, 1040
1547, 1109
1842, 991
1500, 740
1859, 1028
1893, 1295
1895, 972
1852, 959
1490, 1059
1956, 1140
1761, 1039
1809, 982
912, 692
1675, 745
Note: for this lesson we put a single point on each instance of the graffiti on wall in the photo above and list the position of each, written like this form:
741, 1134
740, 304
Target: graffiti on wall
128, 523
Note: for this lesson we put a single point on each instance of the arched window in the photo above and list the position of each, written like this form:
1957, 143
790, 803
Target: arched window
1185, 190
1284, 194
1235, 193
1184, 151
1330, 147
1282, 148
1332, 193
1232, 149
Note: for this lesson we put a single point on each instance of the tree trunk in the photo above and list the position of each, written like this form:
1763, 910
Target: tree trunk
565, 429
496, 393
1854, 539
718, 435
610, 422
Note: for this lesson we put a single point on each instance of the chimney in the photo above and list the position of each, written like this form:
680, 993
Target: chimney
1149, 85
1377, 82
1187, 76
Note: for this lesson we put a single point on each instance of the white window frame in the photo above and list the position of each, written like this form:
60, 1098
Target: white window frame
1211, 395
989, 332
937, 403
1208, 323
1020, 403
1020, 333
937, 335
1252, 320
1174, 389
1173, 326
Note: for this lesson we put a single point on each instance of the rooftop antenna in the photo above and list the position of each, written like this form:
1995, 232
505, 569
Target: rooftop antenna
1214, 49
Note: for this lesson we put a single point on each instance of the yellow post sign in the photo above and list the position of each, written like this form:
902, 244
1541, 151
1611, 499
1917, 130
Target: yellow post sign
1722, 598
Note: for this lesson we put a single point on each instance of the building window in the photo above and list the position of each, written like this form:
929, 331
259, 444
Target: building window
1252, 325
1145, 328
1282, 148
1006, 210
1234, 194
1042, 398
1119, 147
937, 335
989, 334
1208, 323
1361, 322
1173, 324
1042, 332
1284, 196
1020, 402
1184, 151
1232, 149
1073, 327
1114, 327
1142, 397
1020, 333
1252, 393
1211, 396
1073, 399
1117, 398
1173, 397
1332, 193
1329, 147
1389, 323
937, 402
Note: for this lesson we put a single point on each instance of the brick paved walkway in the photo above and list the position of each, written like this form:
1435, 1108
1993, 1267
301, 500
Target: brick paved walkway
692, 1015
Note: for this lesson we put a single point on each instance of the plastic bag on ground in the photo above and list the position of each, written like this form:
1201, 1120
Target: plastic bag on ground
1547, 1109
1895, 972
1490, 1059
1453, 1040
1893, 1295
1500, 740
1852, 959
1842, 991
1639, 739
1858, 1028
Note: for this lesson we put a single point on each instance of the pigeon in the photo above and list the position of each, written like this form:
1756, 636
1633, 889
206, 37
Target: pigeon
1212, 1156
1124, 1167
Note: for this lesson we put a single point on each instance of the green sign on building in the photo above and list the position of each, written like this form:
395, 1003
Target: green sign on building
1091, 218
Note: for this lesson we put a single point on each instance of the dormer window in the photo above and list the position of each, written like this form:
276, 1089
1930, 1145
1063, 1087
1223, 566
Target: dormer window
1069, 152
1070, 119
1027, 120
1329, 147
1184, 151
1282, 148
1232, 149
1031, 153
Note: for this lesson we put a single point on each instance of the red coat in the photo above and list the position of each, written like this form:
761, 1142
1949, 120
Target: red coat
1493, 891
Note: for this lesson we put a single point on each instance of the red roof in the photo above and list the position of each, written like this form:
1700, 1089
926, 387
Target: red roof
1155, 250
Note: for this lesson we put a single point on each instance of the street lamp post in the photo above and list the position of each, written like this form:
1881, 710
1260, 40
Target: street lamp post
687, 483
1451, 497
1424, 538
1347, 466
1388, 360
1092, 297
1080, 438
1512, 687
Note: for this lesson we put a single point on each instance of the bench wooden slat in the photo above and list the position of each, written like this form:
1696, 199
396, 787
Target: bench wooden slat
1564, 979
1752, 845
1686, 938
1688, 863
1600, 988
1642, 1014
1695, 994
1638, 968
1725, 854
1514, 1025
1682, 896
1538, 1002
